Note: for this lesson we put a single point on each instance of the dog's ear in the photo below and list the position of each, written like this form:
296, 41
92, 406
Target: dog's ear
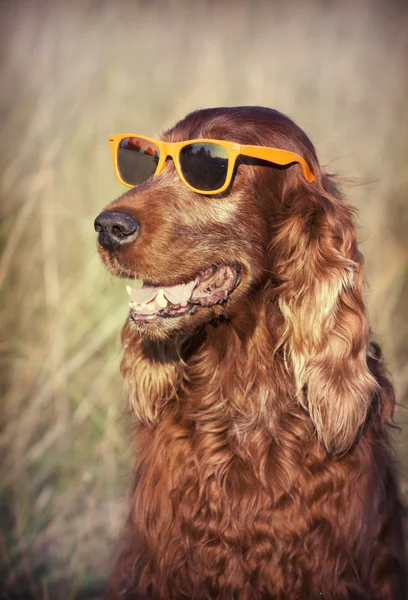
319, 271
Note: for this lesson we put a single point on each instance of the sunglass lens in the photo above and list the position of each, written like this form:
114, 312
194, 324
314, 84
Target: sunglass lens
204, 165
137, 160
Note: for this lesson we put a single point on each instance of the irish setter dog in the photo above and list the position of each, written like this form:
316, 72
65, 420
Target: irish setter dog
263, 467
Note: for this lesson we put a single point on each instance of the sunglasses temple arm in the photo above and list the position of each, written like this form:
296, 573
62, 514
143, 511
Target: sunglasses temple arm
279, 157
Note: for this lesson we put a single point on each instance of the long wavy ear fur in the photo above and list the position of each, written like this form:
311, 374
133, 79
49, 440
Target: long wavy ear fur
320, 287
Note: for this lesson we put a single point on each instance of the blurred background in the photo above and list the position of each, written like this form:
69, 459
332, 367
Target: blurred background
71, 74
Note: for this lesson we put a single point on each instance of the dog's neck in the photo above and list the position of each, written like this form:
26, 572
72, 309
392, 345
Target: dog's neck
213, 394
231, 358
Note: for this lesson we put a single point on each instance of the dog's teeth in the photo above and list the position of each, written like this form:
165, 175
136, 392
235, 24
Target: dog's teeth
138, 284
160, 299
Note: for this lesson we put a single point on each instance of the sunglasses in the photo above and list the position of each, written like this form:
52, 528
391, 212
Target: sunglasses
205, 166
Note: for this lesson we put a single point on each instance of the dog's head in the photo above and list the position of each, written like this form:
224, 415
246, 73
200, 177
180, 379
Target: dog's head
194, 256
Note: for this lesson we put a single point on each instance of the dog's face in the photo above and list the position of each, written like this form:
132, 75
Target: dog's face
192, 257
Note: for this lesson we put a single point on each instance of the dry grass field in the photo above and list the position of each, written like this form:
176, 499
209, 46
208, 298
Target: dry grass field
71, 74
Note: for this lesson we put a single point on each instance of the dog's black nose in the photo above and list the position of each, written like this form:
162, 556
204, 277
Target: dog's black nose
115, 229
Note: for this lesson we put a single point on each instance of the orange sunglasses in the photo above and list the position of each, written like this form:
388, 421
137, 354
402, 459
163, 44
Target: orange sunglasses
205, 166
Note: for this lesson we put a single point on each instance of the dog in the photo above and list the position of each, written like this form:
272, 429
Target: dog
263, 467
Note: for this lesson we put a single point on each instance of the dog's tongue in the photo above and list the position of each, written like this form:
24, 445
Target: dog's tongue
179, 294
176, 294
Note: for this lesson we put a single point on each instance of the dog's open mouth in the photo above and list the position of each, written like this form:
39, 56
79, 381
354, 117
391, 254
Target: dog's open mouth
212, 286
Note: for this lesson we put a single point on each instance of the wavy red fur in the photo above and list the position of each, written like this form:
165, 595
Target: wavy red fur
263, 466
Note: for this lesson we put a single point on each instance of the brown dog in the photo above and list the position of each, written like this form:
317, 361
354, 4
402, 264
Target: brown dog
263, 467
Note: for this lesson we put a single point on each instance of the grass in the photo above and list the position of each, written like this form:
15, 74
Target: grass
72, 73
